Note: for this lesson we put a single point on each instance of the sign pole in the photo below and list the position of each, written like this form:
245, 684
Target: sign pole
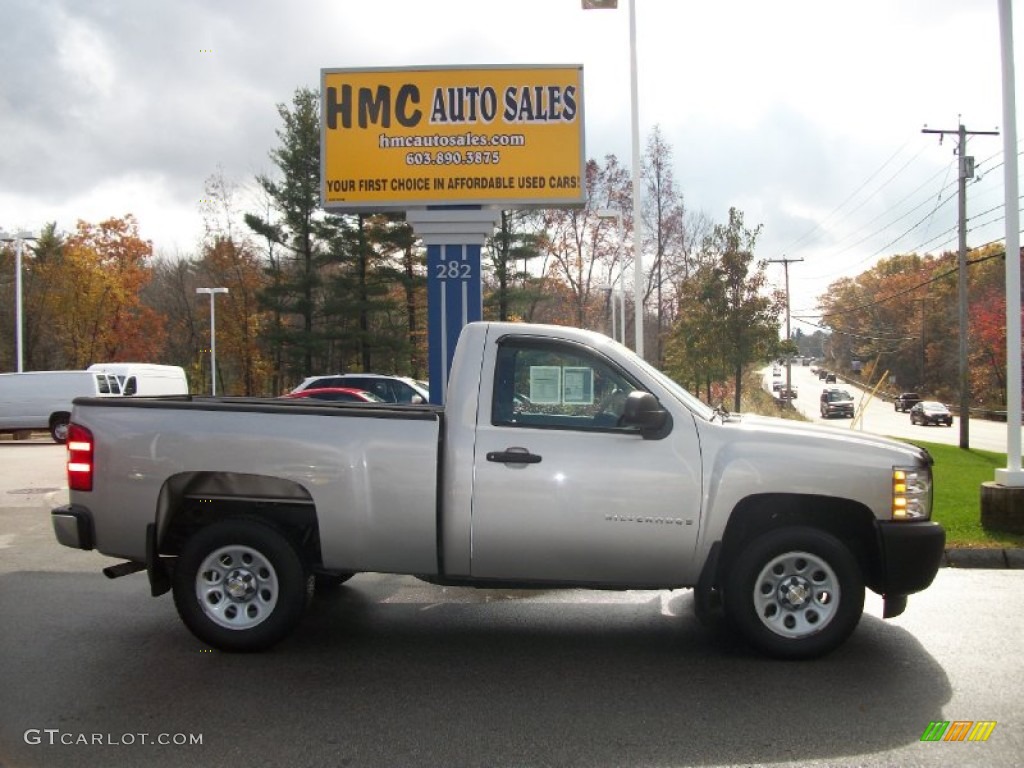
454, 236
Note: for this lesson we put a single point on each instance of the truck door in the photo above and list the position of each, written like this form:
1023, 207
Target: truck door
563, 491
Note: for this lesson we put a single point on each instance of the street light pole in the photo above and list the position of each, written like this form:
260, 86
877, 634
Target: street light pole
616, 216
213, 335
18, 240
1013, 474
638, 267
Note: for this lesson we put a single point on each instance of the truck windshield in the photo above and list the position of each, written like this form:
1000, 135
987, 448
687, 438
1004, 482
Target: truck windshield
699, 407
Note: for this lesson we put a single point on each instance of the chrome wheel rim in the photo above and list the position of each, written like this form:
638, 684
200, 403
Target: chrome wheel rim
237, 587
796, 595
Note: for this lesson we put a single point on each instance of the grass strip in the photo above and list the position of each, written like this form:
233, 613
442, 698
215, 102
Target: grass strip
958, 475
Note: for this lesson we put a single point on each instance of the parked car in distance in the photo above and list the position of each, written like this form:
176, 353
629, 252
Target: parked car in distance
930, 412
787, 394
905, 401
777, 385
42, 399
390, 389
830, 378
822, 373
335, 394
146, 379
836, 402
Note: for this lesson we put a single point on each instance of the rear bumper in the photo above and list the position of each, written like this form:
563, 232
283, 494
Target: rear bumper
72, 524
911, 556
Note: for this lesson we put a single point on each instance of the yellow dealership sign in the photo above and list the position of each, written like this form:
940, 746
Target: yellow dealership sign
413, 137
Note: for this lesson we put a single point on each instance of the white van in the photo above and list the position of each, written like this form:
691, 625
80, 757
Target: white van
146, 379
42, 399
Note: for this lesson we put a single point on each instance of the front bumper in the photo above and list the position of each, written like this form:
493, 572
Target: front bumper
839, 412
911, 555
72, 524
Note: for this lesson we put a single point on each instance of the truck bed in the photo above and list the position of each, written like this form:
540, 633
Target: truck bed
369, 471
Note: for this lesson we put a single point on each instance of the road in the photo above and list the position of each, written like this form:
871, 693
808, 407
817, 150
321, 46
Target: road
881, 418
388, 671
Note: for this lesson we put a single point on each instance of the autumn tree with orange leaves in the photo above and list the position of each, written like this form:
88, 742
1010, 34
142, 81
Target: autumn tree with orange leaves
91, 309
902, 314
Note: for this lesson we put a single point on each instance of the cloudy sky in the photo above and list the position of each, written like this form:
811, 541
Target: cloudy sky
805, 114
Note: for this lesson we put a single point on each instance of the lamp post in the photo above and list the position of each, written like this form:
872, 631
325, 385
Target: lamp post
1013, 474
18, 241
616, 216
638, 269
213, 335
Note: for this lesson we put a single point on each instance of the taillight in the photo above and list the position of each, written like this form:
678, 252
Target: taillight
80, 458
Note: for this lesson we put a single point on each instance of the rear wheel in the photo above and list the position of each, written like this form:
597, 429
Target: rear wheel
795, 593
59, 427
240, 585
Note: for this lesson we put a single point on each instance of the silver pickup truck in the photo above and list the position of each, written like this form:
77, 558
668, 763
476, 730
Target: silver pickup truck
560, 460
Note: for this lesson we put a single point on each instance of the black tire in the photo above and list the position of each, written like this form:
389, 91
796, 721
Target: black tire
59, 427
795, 593
241, 585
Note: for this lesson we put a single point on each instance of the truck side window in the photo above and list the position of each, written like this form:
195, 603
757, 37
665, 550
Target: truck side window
539, 383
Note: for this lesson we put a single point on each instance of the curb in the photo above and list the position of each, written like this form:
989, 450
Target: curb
984, 558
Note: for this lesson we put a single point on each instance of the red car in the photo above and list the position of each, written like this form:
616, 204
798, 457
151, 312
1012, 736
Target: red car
336, 394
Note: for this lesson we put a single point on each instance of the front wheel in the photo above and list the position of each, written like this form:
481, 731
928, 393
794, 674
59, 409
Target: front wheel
795, 593
240, 585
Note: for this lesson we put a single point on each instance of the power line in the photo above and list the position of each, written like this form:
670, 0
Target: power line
979, 225
854, 335
890, 224
821, 224
884, 227
911, 289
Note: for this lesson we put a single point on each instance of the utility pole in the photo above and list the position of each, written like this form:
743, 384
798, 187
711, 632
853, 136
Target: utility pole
966, 172
789, 358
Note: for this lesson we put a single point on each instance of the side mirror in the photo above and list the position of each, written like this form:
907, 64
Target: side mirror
416, 399
643, 410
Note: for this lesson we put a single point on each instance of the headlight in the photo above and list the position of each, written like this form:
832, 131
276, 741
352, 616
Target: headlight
911, 493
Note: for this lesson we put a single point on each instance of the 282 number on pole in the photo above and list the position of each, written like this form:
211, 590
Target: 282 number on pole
453, 270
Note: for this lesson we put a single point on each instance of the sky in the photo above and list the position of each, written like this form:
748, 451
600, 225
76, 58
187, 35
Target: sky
806, 115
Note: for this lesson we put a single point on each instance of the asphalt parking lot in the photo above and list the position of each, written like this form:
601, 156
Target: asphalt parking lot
391, 671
